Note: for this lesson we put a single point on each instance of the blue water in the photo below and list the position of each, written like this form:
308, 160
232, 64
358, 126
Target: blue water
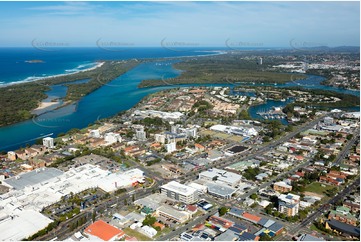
312, 82
118, 95
268, 106
14, 68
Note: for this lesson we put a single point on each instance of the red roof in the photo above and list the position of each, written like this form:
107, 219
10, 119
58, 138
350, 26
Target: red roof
198, 227
103, 231
301, 174
192, 208
252, 217
161, 226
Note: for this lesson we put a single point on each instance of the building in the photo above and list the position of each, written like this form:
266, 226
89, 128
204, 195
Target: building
180, 192
148, 231
221, 190
228, 178
12, 155
171, 147
308, 237
342, 217
140, 135
48, 142
94, 133
111, 138
101, 230
289, 204
328, 120
201, 189
159, 138
168, 212
343, 228
282, 187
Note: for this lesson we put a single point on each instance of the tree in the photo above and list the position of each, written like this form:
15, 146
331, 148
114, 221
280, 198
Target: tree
149, 220
94, 215
265, 237
349, 136
222, 211
254, 196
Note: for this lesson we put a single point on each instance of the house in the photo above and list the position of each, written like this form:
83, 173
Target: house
354, 207
148, 231
236, 212
250, 217
192, 209
160, 225
101, 230
229, 235
246, 236
329, 180
343, 217
199, 147
221, 221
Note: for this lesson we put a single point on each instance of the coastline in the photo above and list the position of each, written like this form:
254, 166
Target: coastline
34, 78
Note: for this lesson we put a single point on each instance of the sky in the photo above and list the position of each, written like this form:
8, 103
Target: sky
179, 24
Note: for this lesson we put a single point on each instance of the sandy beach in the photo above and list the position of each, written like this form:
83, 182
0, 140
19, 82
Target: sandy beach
43, 105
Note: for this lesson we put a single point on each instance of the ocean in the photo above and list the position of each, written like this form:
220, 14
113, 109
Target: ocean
18, 65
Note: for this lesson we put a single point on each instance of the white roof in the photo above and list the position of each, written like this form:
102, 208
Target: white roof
179, 188
222, 175
197, 186
24, 224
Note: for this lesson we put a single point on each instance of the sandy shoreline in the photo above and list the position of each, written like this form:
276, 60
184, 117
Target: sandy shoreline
43, 105
34, 78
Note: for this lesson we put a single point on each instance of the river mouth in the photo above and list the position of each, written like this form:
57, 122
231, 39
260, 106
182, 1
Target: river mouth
118, 95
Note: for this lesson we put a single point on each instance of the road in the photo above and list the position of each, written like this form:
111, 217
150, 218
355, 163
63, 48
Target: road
325, 207
64, 229
342, 155
247, 155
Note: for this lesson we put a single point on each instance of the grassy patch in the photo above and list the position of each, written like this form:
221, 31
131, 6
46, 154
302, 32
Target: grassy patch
133, 233
318, 188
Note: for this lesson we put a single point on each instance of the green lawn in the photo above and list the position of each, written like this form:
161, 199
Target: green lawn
133, 233
318, 188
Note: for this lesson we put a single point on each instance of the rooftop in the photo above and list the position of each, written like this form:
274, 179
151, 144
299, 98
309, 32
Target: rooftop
179, 188
33, 177
222, 175
219, 189
103, 231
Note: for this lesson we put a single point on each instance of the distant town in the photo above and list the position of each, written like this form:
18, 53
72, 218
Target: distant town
190, 164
